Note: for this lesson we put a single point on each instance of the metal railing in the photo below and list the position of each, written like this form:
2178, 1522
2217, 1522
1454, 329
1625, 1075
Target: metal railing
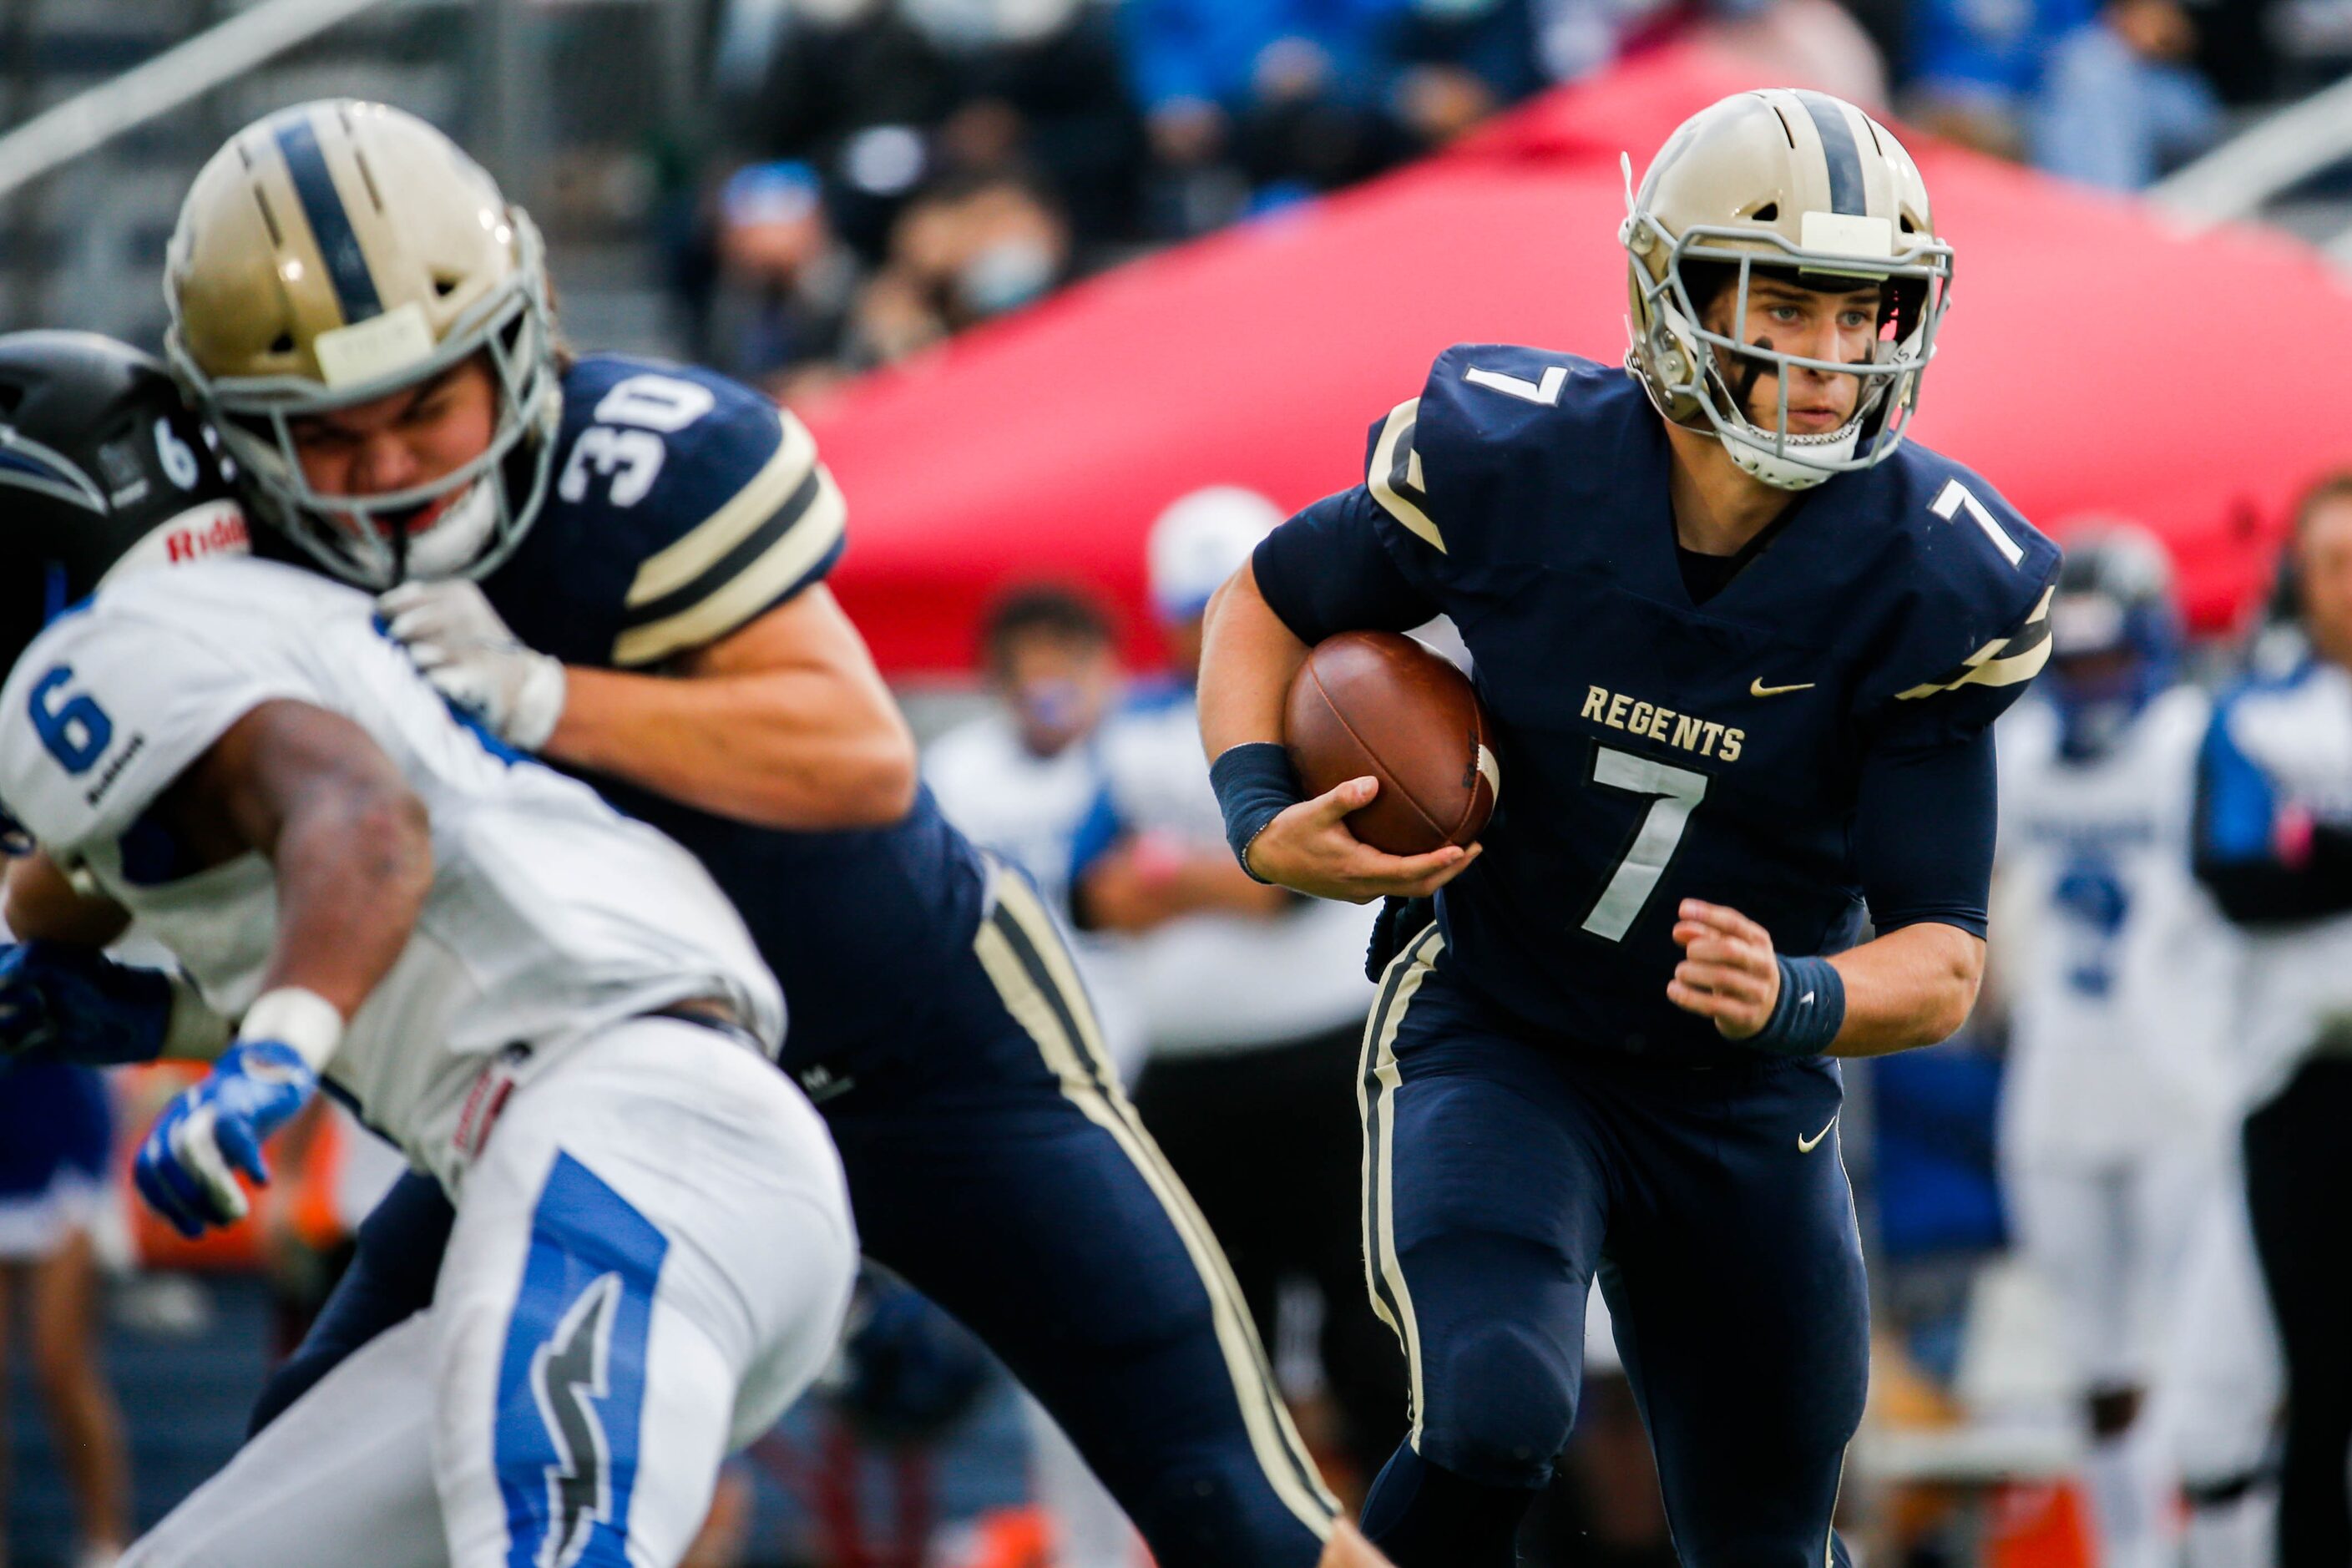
179, 75
2245, 173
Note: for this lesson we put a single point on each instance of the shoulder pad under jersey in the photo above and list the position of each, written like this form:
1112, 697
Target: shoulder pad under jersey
1969, 622
697, 501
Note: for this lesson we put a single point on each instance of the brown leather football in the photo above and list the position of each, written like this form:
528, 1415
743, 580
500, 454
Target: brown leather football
1379, 703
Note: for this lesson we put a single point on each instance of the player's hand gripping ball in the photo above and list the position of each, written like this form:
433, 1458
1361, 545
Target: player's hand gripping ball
184, 1167
1381, 705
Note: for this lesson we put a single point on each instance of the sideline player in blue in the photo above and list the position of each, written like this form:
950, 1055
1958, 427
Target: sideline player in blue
618, 565
1742, 646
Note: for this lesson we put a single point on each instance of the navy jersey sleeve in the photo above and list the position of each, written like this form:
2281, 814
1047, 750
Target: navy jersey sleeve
1971, 626
1925, 821
1446, 470
708, 497
1325, 571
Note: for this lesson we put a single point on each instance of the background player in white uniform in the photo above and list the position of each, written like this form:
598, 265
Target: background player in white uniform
550, 1008
2121, 980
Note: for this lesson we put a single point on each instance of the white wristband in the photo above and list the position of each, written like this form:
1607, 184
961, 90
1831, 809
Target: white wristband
294, 1017
538, 701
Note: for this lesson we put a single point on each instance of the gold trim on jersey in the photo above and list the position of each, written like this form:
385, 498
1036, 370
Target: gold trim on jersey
2004, 661
803, 540
1398, 488
685, 559
1063, 1025
1377, 1080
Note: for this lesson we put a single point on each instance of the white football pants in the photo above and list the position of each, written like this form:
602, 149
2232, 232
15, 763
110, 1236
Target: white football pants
652, 1258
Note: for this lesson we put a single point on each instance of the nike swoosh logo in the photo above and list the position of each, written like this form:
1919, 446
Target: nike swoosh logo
1756, 688
1807, 1145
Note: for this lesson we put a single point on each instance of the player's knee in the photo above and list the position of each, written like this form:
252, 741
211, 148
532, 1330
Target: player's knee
1501, 1397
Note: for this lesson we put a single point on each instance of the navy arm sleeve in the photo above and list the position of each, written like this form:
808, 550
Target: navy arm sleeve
1922, 833
1326, 571
2238, 856
390, 1280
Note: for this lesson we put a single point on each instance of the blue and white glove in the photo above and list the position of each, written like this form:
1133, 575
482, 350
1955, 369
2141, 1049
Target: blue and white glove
63, 1003
186, 1168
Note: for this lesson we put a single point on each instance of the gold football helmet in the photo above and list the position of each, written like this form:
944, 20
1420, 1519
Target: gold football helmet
1806, 186
333, 253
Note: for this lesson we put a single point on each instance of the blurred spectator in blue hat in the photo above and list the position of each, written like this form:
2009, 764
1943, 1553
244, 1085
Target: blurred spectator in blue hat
784, 280
2120, 104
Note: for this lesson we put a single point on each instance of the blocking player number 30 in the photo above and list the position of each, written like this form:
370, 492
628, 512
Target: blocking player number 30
1673, 793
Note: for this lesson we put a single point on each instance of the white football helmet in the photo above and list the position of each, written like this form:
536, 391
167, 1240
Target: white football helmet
1805, 186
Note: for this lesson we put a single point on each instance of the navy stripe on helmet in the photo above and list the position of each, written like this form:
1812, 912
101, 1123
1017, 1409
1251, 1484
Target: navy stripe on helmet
1846, 192
330, 226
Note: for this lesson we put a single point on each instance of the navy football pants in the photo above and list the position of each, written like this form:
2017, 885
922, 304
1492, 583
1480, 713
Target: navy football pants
999, 1170
1503, 1173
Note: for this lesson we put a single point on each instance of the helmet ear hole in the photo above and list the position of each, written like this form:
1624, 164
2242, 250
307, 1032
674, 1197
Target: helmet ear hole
283, 343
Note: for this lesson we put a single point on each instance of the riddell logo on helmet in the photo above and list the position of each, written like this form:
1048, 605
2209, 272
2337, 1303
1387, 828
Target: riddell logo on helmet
221, 535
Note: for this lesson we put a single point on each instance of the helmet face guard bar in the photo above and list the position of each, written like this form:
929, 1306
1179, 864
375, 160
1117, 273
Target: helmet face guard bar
364, 538
1890, 379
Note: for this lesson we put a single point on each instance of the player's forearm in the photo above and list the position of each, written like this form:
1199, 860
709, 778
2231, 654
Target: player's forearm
1247, 659
353, 867
780, 748
1909, 988
44, 904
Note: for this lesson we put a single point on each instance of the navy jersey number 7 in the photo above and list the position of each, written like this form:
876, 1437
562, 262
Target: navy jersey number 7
1816, 732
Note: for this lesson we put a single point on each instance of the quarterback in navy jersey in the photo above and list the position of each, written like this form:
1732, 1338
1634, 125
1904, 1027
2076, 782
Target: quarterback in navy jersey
619, 564
1740, 646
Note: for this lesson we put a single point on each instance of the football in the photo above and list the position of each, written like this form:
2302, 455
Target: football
1378, 703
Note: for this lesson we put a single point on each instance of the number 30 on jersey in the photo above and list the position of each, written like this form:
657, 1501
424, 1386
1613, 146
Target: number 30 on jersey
624, 448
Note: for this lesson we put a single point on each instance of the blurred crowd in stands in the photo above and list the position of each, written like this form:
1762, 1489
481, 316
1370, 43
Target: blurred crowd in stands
895, 171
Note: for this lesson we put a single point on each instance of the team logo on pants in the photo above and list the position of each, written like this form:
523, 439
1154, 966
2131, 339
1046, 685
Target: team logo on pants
567, 1377
571, 1382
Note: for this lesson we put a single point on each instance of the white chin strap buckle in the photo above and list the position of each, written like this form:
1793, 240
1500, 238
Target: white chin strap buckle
1754, 453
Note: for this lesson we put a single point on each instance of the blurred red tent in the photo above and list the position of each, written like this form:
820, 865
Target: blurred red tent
2095, 360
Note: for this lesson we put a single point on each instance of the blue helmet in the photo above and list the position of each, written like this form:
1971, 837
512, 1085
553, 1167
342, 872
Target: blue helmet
2115, 636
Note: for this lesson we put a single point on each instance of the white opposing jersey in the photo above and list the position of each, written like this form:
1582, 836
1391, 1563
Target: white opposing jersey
549, 915
2122, 977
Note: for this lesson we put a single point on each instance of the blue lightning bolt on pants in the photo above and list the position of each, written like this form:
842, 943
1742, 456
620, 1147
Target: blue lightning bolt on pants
652, 1256
651, 1259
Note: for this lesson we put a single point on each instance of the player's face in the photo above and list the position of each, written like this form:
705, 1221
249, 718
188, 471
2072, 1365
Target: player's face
1057, 688
402, 440
2324, 568
1839, 327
